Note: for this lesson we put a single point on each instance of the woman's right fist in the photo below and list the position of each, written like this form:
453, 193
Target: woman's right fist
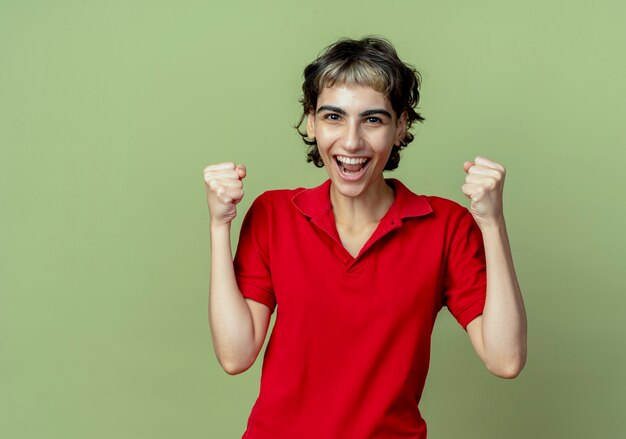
224, 189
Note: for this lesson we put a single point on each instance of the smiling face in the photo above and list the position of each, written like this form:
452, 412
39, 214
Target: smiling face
355, 128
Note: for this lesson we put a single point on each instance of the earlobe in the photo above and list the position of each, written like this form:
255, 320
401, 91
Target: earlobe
310, 126
401, 133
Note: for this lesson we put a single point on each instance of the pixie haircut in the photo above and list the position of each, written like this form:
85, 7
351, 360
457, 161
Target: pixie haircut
372, 62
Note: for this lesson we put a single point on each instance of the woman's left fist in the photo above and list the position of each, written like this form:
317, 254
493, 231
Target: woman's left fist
484, 185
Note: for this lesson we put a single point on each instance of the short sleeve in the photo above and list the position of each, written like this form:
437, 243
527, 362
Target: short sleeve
252, 265
465, 285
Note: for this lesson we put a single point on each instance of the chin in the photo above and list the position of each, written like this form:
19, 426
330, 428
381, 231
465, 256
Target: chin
350, 189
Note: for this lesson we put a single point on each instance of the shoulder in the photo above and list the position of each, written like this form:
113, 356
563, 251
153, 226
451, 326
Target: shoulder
441, 216
447, 213
455, 220
308, 201
445, 205
275, 201
277, 196
414, 204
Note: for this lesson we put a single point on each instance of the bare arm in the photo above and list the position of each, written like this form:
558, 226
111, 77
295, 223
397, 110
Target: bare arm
238, 325
499, 335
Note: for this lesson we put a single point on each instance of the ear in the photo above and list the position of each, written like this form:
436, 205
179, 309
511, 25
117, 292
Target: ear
310, 125
401, 128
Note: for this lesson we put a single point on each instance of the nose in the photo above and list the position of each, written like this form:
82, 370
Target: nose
353, 137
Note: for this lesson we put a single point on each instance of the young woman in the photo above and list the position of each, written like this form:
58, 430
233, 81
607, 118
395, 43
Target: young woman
358, 267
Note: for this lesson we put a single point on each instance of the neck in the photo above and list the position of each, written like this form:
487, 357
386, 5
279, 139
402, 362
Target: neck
367, 208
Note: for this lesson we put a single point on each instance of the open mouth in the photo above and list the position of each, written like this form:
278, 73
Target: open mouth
351, 166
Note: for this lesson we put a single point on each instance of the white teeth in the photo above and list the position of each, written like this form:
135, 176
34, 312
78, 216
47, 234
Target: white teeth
351, 160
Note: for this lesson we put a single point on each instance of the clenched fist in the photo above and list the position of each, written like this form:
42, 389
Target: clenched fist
224, 189
484, 185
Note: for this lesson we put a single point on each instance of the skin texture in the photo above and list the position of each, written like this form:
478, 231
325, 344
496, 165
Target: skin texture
238, 325
356, 121
499, 335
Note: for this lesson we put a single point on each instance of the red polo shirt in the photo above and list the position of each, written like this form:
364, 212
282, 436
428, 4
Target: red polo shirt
349, 352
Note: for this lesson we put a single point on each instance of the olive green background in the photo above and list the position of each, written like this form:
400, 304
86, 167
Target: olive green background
110, 110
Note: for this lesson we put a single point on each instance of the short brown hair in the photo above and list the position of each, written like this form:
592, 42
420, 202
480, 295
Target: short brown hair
370, 61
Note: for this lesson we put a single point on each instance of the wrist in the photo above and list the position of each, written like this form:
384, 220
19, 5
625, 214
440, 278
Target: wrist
219, 227
494, 224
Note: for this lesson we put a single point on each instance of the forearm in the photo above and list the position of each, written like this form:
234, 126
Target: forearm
504, 323
231, 323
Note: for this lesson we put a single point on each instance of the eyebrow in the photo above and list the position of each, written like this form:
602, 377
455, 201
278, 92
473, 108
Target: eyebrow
365, 113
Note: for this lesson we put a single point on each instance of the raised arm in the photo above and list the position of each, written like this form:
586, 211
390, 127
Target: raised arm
238, 325
499, 335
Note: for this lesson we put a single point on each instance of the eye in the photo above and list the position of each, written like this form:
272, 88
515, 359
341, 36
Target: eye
373, 119
332, 116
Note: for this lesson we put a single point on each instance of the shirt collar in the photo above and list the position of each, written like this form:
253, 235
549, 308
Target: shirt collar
315, 202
